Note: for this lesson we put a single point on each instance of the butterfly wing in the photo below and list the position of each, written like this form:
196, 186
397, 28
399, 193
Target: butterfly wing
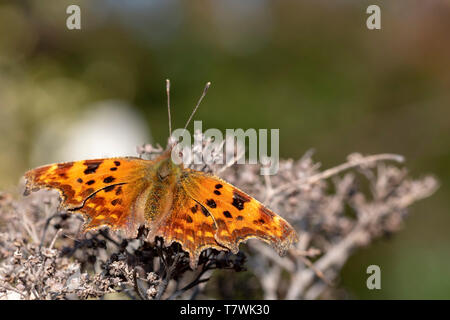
189, 224
106, 191
236, 215
206, 212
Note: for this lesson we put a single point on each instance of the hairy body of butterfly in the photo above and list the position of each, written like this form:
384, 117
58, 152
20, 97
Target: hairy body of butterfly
193, 208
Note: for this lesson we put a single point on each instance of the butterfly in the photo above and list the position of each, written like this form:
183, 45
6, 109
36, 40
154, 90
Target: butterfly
196, 209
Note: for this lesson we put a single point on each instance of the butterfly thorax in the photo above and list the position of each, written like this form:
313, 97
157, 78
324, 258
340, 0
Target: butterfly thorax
162, 188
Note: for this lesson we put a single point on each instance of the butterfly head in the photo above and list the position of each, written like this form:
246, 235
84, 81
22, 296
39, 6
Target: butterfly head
166, 167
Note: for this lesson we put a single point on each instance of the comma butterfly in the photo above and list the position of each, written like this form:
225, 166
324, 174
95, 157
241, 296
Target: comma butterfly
196, 209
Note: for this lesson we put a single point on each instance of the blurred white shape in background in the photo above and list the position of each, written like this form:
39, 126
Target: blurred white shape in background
104, 129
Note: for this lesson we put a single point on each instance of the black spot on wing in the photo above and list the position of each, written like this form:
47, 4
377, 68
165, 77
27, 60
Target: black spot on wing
109, 179
227, 214
259, 222
211, 203
239, 198
92, 166
205, 211
109, 188
116, 201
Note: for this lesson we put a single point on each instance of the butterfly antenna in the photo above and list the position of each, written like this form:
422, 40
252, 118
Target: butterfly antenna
168, 106
208, 84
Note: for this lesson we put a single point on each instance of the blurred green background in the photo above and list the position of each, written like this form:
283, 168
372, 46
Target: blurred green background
310, 68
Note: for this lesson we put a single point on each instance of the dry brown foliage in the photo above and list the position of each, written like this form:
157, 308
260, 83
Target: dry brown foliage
44, 256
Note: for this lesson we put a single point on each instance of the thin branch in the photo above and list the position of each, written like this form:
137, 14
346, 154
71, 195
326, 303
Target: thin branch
336, 170
137, 288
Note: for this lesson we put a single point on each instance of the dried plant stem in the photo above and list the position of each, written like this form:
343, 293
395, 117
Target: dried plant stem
54, 238
338, 169
336, 257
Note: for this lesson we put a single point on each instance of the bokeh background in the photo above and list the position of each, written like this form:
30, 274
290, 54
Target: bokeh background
310, 68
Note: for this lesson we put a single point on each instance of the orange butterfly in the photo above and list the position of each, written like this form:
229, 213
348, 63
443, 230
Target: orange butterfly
193, 208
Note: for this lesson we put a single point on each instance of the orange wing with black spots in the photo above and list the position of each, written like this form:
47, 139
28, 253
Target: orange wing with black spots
191, 225
107, 192
236, 215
